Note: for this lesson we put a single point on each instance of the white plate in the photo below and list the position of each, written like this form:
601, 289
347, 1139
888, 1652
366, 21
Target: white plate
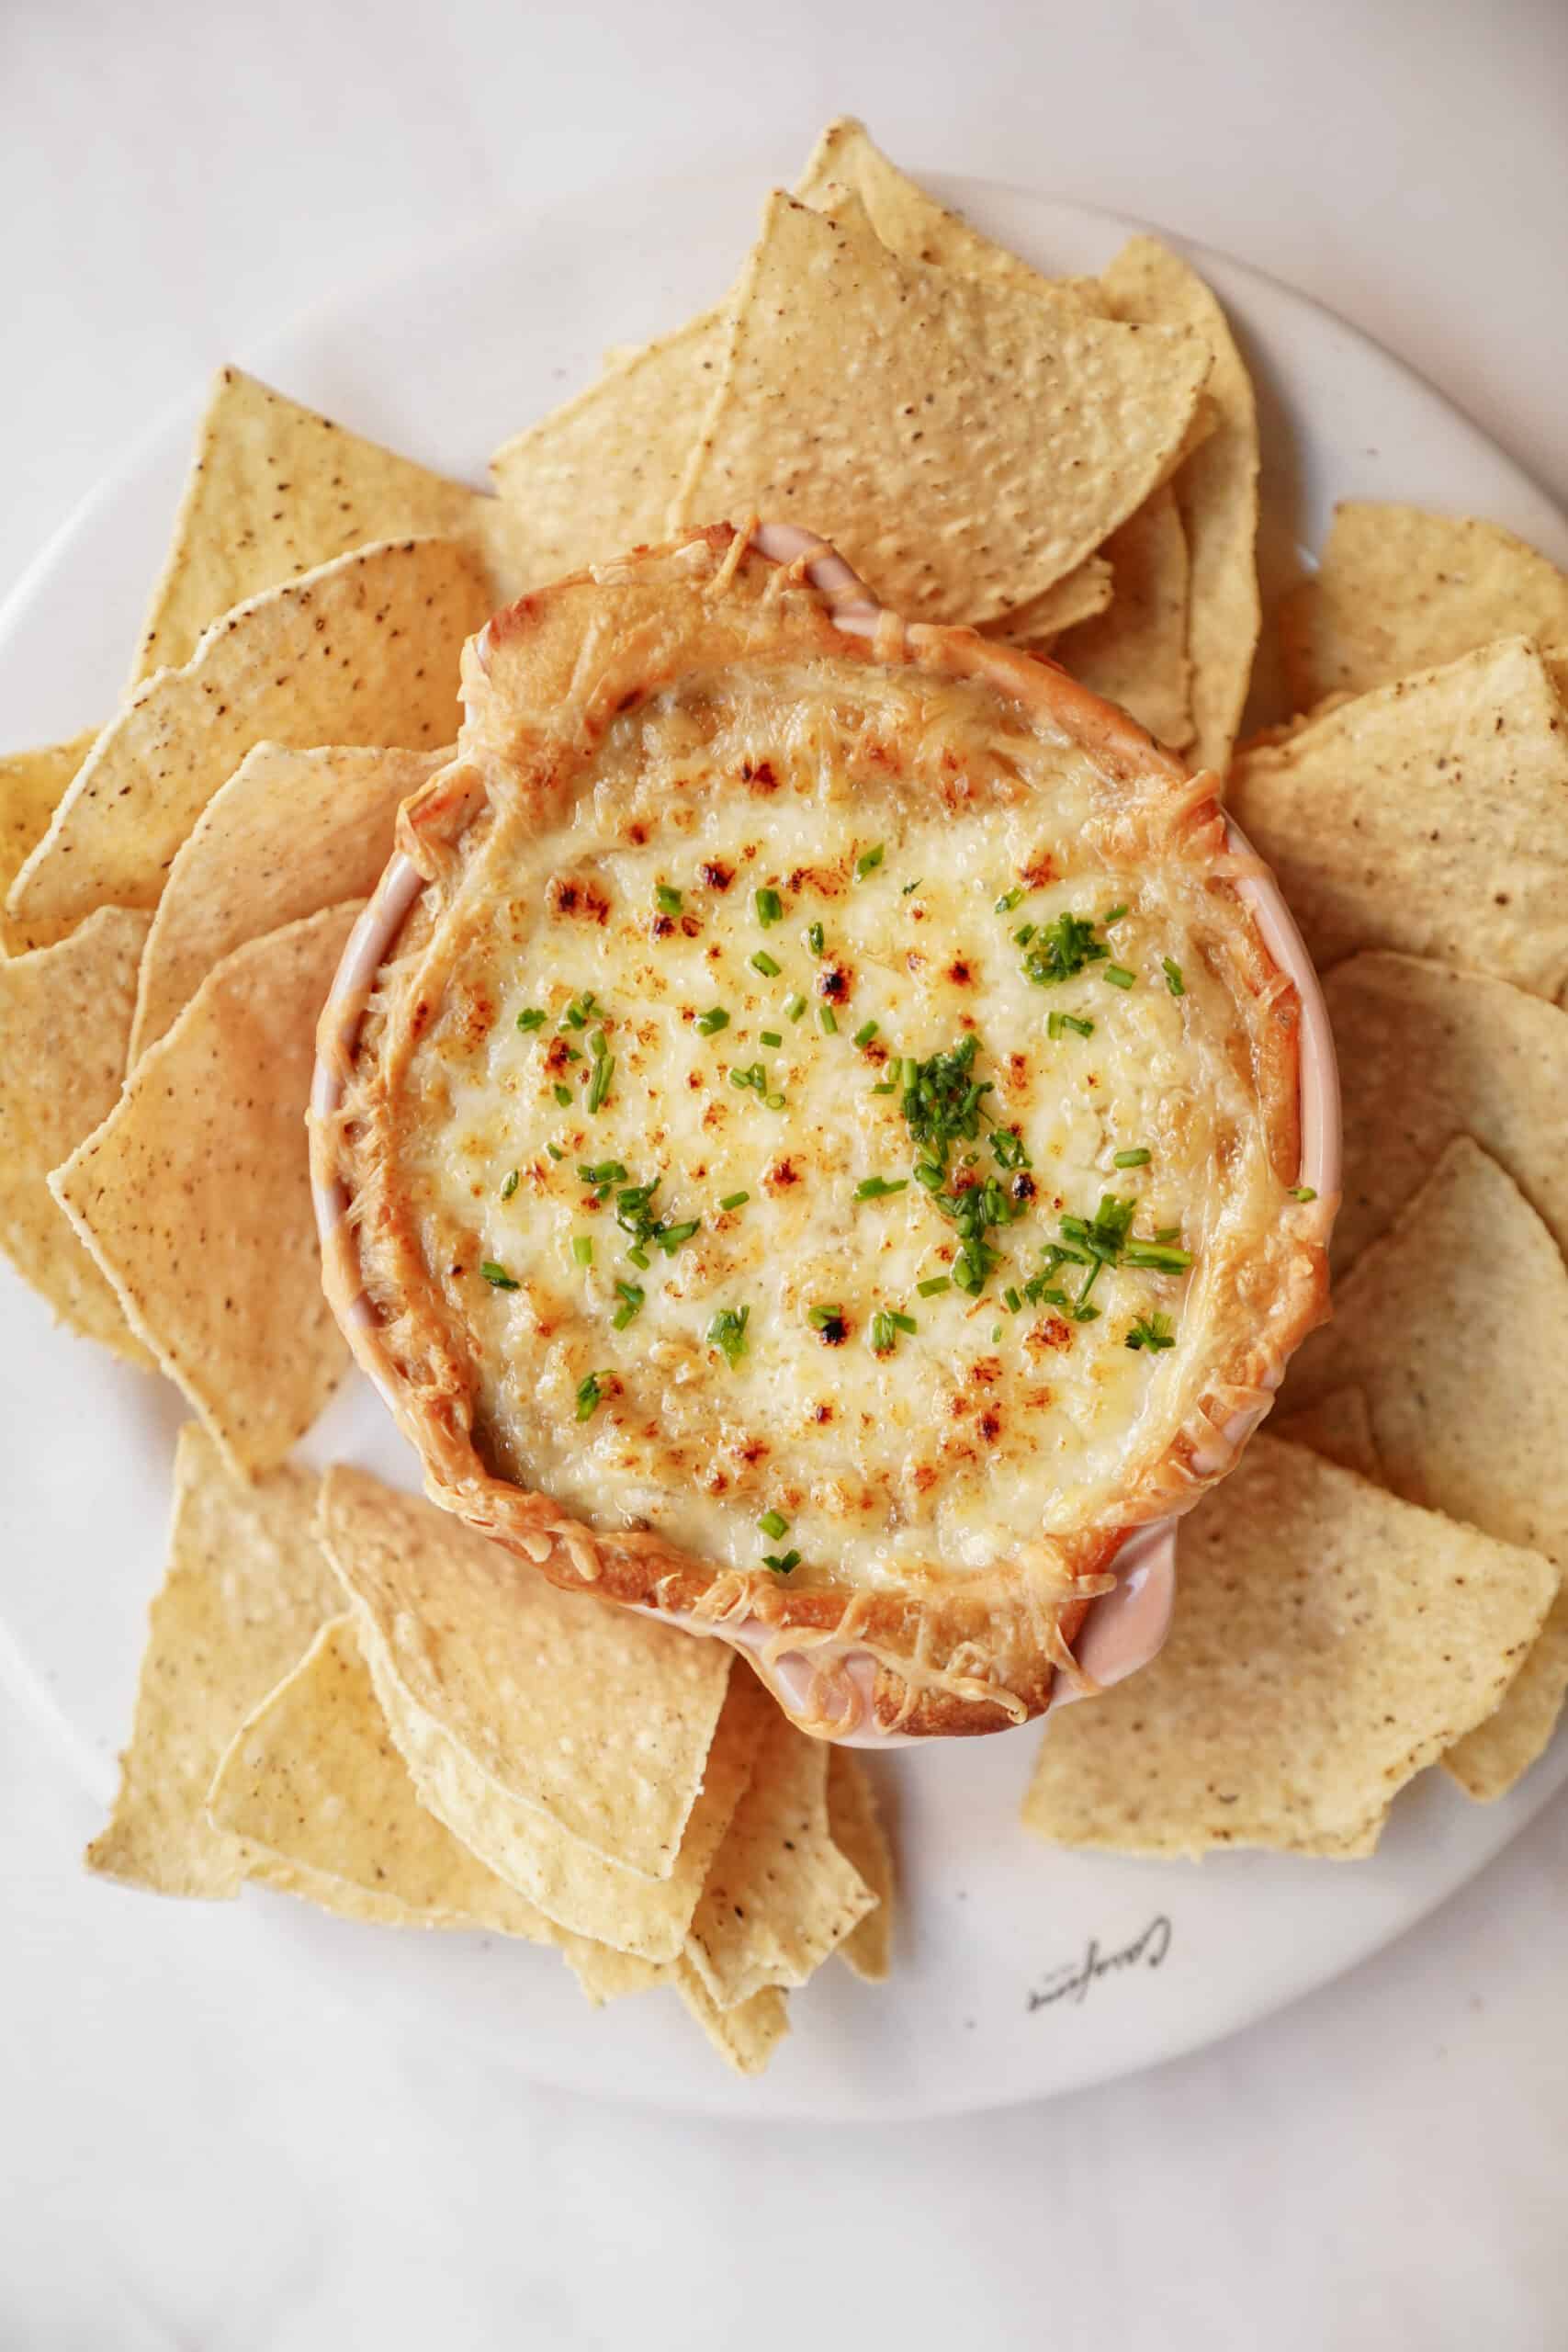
1022, 1972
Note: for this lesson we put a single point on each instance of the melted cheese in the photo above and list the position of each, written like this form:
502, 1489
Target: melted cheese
981, 1429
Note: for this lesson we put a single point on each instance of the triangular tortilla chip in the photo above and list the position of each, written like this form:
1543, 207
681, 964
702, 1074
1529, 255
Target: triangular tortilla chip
1398, 590
1430, 817
32, 786
64, 1017
1427, 1054
859, 1834
1328, 1642
194, 1196
1135, 654
599, 1720
1455, 1324
290, 833
363, 650
1004, 432
781, 1894
1339, 1427
245, 1591
274, 491
745, 2034
1216, 491
1087, 590
1488, 1761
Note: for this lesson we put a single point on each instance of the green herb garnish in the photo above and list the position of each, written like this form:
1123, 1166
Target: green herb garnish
828, 1020
590, 1395
781, 1563
1058, 1022
868, 860
598, 1084
1118, 974
497, 1276
579, 1012
1173, 979
769, 907
562, 1095
1009, 901
1302, 1193
878, 1188
635, 1217
727, 1332
1151, 1331
1060, 950
531, 1017
712, 1022
1112, 915
794, 1007
631, 1298
604, 1175
511, 1186
667, 898
583, 1248
933, 1283
770, 1037
1138, 1159
769, 966
815, 939
866, 1032
773, 1523
735, 1200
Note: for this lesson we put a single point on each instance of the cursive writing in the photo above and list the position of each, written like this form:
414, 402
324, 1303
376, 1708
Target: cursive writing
1072, 1980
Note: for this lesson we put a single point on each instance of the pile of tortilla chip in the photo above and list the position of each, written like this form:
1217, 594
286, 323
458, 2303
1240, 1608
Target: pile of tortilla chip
352, 1697
1386, 1589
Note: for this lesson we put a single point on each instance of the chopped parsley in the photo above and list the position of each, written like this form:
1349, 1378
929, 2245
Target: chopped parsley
1061, 948
1151, 1331
590, 1395
709, 1024
727, 1332
769, 907
498, 1277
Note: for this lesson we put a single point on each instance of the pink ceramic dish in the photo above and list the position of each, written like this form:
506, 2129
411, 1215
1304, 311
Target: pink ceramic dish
1126, 1626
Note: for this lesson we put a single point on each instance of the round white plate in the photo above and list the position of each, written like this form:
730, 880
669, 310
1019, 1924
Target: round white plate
1021, 1972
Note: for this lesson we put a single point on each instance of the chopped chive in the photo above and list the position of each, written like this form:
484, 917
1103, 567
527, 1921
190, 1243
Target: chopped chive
773, 1523
1302, 1193
770, 1037
1009, 901
910, 888
727, 1332
1168, 1233
903, 1322
769, 966
770, 907
1011, 1300
883, 1337
877, 1188
598, 1045
907, 1071
667, 898
672, 1237
640, 1259
887, 1086
1058, 1022
815, 939
781, 1563
497, 1276
1139, 1159
1156, 1255
602, 1173
1151, 1331
1118, 974
933, 1283
928, 1176
555, 1152
866, 1032
1112, 915
511, 1186
583, 1248
795, 1006
735, 1200
819, 1317
868, 860
563, 1094
590, 1397
712, 1022
1173, 979
604, 1071
631, 1297
531, 1018
828, 1020
774, 1102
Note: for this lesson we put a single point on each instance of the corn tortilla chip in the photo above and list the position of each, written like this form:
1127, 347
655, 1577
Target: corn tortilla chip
1429, 816
577, 1888
1427, 1054
1488, 1760
1329, 1639
1456, 1323
65, 1015
745, 2034
246, 1590
1216, 492
290, 833
599, 1720
857, 1831
1005, 430
32, 784
1135, 654
1399, 590
312, 1779
1339, 1427
364, 650
194, 1196
1087, 590
781, 1895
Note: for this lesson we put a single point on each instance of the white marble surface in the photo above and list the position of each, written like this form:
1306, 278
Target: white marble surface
187, 2158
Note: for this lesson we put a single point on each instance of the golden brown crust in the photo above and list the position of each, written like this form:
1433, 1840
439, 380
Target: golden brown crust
543, 681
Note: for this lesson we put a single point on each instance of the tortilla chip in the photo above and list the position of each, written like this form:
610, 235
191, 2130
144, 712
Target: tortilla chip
290, 833
32, 784
993, 476
1456, 1323
1488, 1761
1398, 590
781, 1895
599, 1720
246, 1590
1339, 1427
746, 2033
572, 1884
313, 1779
1216, 492
1087, 590
1427, 1054
363, 650
274, 491
1430, 816
858, 1833
65, 1015
194, 1196
1135, 654
1329, 1639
